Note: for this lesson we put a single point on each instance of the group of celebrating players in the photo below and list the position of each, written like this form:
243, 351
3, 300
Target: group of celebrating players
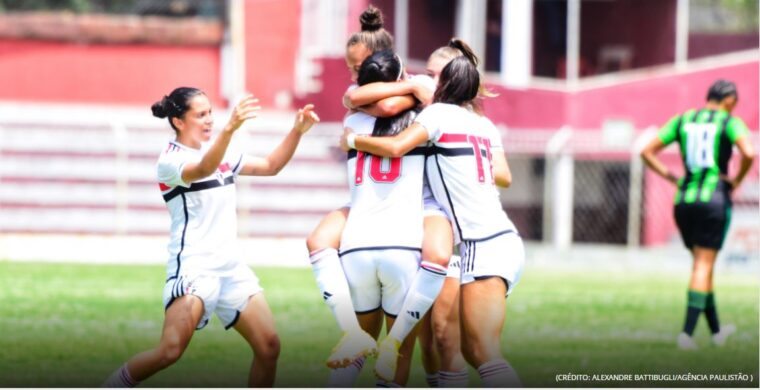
423, 167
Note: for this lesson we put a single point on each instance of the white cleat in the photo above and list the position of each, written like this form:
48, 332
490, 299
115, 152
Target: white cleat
353, 345
387, 359
719, 339
686, 343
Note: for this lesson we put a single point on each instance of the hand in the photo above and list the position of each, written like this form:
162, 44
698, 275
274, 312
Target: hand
343, 139
305, 118
672, 178
248, 108
732, 183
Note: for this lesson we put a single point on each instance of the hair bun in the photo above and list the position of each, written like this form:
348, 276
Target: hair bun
159, 109
371, 19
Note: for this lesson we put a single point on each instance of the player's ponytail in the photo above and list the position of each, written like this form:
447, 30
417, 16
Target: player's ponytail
459, 82
465, 49
174, 105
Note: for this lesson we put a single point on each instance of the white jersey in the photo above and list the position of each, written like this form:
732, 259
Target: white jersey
203, 216
459, 170
386, 196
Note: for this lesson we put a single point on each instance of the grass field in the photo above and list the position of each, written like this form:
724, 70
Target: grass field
71, 325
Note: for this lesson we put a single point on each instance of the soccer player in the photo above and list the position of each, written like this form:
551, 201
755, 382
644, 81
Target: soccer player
205, 272
324, 241
703, 201
439, 329
460, 175
381, 243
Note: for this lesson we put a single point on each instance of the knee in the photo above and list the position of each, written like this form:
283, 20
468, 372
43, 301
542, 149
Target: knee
445, 339
269, 350
436, 254
170, 351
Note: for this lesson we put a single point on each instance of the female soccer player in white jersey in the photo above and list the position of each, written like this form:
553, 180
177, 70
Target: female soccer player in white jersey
381, 244
439, 331
461, 177
205, 273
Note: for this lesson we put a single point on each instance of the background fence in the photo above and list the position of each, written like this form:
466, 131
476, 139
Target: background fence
70, 169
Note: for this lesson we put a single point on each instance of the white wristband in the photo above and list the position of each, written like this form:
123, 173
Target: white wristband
351, 141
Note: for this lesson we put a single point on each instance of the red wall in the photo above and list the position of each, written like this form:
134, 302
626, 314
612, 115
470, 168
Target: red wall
271, 45
107, 74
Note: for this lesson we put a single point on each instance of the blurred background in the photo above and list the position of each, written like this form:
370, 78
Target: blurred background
582, 85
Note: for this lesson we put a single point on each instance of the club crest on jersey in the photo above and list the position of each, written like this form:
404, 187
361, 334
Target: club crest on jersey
220, 172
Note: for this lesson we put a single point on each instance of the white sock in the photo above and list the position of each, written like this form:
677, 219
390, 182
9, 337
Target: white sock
498, 373
332, 283
346, 376
432, 379
120, 378
425, 287
453, 378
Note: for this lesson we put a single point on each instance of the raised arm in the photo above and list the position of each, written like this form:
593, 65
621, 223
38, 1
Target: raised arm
246, 109
396, 146
386, 99
279, 157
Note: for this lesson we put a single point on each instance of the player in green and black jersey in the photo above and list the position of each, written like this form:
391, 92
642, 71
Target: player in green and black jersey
703, 201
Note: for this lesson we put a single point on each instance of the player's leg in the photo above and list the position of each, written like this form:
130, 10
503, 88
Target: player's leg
256, 324
428, 353
436, 248
404, 357
490, 270
182, 317
483, 311
428, 279
445, 314
323, 244
372, 323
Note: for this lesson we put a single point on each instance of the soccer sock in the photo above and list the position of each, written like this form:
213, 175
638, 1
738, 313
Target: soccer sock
120, 378
696, 304
711, 312
453, 378
432, 379
498, 373
425, 287
346, 376
332, 283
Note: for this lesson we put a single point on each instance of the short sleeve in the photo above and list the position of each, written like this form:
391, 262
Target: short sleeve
170, 170
493, 134
669, 132
735, 129
431, 119
424, 80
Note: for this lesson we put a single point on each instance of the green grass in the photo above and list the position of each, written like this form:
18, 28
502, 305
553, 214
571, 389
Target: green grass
72, 325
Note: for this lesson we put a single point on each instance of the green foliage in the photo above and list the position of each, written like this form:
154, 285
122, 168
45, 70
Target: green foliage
72, 325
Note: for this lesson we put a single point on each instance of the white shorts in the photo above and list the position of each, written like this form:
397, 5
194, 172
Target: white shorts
226, 295
430, 206
455, 269
502, 256
380, 278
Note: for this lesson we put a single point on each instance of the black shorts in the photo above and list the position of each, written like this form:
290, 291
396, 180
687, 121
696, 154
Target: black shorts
705, 224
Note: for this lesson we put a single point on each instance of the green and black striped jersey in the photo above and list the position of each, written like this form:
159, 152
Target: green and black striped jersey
706, 139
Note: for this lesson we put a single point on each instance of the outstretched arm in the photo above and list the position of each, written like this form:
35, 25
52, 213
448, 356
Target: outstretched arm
279, 157
246, 109
396, 146
385, 99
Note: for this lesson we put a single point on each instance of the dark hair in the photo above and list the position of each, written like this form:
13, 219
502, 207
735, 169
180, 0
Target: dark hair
372, 35
175, 105
459, 82
385, 66
721, 89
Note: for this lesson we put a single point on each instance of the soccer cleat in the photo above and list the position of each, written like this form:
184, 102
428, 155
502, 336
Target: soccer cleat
686, 343
719, 339
387, 359
353, 345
